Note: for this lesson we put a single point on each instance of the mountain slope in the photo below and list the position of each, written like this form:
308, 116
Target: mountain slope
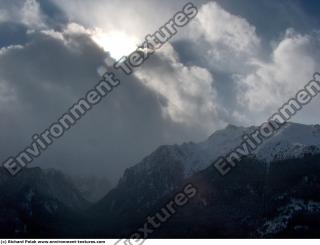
37, 202
159, 174
253, 202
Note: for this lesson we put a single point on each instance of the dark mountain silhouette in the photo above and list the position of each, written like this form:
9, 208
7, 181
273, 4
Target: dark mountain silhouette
273, 193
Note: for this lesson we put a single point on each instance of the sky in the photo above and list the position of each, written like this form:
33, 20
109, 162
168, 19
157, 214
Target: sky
235, 63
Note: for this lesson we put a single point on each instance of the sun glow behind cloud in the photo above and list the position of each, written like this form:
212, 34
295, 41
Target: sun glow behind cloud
117, 43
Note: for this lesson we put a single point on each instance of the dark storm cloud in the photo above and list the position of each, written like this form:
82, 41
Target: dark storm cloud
48, 76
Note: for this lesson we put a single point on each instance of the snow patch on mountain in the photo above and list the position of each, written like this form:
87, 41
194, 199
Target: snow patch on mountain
286, 214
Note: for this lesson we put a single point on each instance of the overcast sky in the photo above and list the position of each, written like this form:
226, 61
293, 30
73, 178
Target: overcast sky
237, 62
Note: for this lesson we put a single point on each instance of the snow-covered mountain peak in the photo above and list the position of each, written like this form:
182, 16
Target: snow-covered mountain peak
293, 140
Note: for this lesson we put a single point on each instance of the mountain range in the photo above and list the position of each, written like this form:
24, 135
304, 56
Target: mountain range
272, 193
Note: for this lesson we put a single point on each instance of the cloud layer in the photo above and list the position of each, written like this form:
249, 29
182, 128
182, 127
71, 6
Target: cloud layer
217, 70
